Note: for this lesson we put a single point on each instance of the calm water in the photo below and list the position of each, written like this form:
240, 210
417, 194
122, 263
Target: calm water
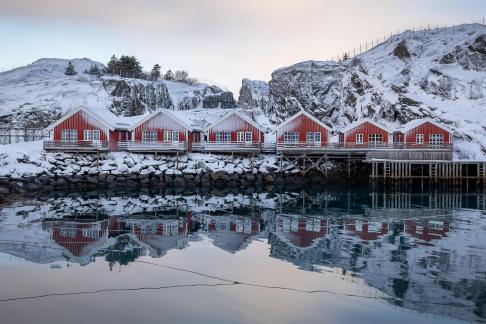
333, 256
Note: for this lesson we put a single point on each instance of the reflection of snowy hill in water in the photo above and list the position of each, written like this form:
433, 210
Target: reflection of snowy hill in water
417, 254
434, 265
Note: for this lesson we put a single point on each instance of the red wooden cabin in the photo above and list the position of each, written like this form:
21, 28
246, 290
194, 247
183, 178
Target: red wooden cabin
234, 132
161, 131
86, 129
423, 133
364, 133
302, 131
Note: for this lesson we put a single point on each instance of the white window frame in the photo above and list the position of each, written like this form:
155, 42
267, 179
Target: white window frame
317, 137
145, 136
248, 137
175, 136
373, 138
419, 138
73, 134
287, 138
295, 137
240, 137
96, 135
309, 137
359, 138
219, 137
87, 135
226, 137
65, 135
153, 136
167, 136
436, 139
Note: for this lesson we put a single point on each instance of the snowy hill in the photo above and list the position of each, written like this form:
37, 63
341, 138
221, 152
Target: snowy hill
36, 95
439, 73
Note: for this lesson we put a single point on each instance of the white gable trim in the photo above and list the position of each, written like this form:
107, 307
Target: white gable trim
300, 113
73, 112
407, 127
242, 116
361, 122
164, 112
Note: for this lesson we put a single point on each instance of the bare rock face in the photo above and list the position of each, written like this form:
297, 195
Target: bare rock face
133, 97
253, 94
313, 86
401, 51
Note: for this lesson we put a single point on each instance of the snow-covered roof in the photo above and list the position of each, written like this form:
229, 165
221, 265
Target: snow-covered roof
166, 112
300, 113
106, 117
363, 121
85, 110
417, 122
240, 114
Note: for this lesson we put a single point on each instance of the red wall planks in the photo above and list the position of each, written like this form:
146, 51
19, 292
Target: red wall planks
366, 129
161, 122
235, 124
302, 124
81, 121
426, 129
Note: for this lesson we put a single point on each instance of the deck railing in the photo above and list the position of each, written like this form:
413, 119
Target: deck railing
154, 146
76, 145
232, 147
282, 146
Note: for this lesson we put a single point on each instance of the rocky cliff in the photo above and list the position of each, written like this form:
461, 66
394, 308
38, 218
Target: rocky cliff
36, 95
439, 73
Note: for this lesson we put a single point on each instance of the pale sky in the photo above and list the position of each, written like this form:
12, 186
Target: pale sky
221, 41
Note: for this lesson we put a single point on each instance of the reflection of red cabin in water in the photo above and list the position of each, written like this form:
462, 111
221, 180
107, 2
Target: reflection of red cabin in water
367, 231
160, 235
231, 233
427, 230
301, 231
363, 133
79, 238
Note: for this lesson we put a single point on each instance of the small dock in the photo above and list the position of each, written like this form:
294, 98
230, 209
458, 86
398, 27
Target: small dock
433, 170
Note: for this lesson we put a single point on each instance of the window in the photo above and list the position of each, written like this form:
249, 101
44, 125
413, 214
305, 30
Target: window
96, 135
227, 137
175, 136
317, 137
145, 136
65, 135
295, 137
248, 137
375, 138
310, 137
287, 137
359, 138
219, 136
167, 136
240, 137
419, 138
436, 139
153, 136
74, 135
88, 135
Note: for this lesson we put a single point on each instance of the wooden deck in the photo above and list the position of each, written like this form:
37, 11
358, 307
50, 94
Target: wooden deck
76, 146
154, 146
232, 147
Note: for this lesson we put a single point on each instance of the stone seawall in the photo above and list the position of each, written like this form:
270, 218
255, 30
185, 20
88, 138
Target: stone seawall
43, 171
